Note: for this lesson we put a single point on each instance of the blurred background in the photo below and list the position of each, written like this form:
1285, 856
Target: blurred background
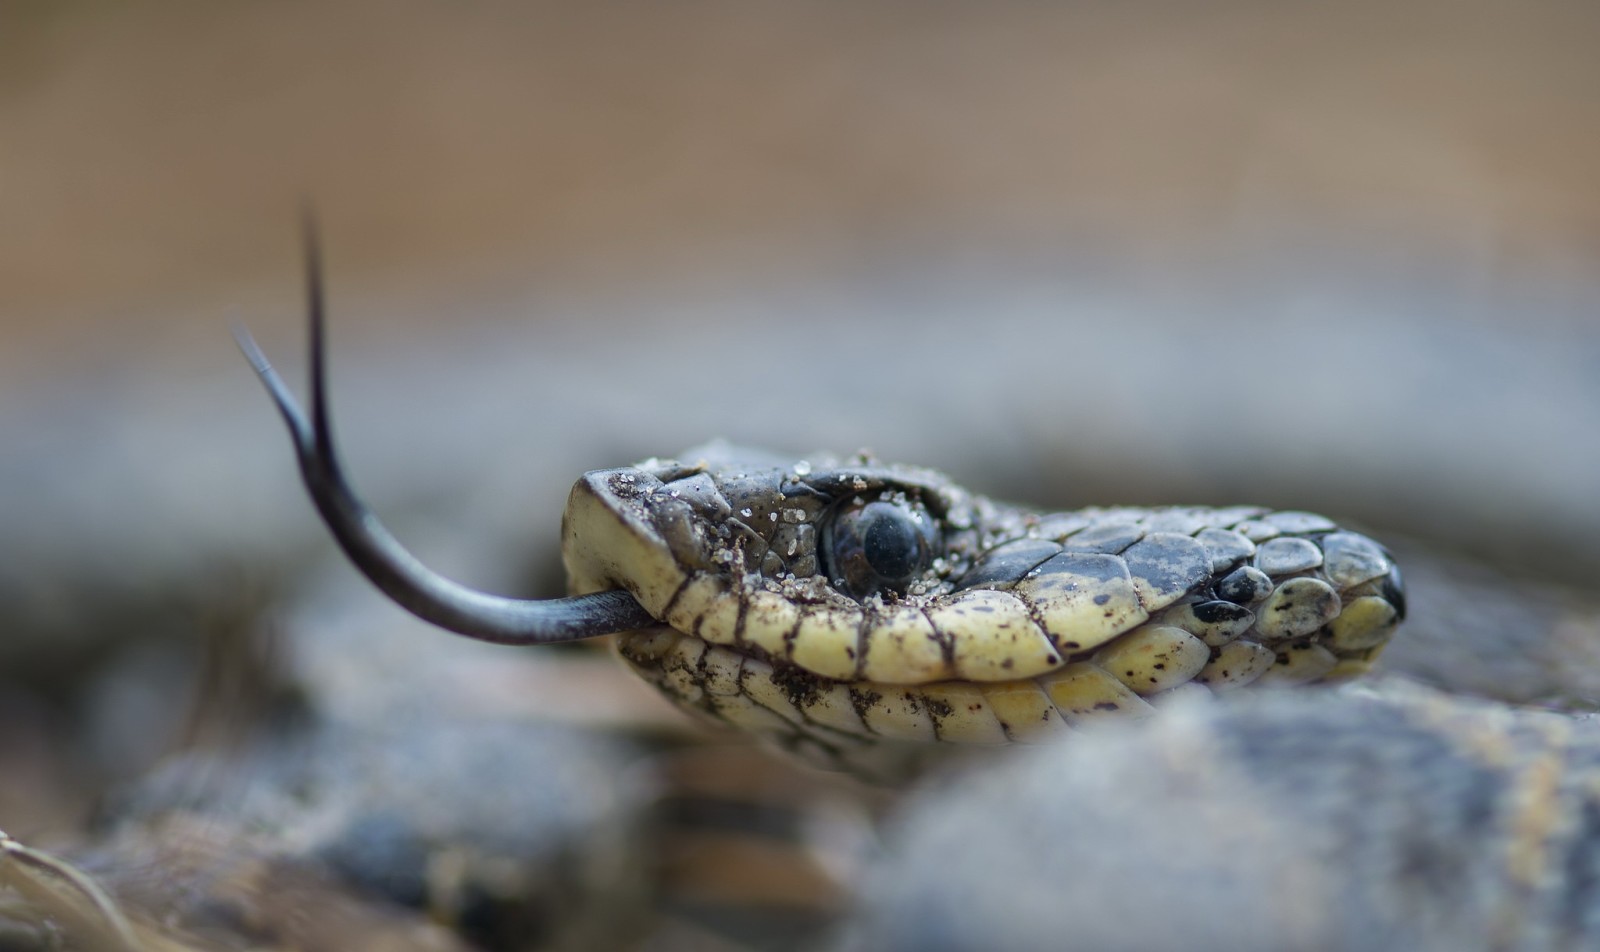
1330, 256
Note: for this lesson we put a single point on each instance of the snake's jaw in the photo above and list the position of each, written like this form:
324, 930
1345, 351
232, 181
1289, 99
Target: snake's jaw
381, 557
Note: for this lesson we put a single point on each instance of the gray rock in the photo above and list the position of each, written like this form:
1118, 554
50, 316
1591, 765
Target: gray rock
1328, 821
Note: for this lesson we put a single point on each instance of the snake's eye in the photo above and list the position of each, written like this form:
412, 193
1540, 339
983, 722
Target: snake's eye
877, 546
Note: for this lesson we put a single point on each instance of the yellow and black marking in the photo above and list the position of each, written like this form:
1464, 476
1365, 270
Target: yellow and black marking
1014, 627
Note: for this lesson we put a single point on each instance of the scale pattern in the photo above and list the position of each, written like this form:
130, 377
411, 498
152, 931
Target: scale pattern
1022, 625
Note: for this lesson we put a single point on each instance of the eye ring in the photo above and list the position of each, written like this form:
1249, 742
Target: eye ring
878, 546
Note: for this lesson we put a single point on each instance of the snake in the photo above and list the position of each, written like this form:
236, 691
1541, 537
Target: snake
866, 616
876, 618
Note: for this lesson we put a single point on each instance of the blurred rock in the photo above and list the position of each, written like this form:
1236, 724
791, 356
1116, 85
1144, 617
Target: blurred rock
514, 835
1475, 630
1317, 822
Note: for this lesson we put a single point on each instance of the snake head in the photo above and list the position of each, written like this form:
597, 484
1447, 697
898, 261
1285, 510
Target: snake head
854, 570
853, 611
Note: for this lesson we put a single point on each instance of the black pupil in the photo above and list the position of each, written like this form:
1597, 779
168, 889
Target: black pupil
889, 542
880, 546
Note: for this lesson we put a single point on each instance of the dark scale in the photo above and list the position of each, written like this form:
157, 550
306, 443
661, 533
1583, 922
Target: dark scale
1244, 586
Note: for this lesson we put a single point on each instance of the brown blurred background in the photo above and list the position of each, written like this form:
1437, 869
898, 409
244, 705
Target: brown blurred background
1338, 256
154, 154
